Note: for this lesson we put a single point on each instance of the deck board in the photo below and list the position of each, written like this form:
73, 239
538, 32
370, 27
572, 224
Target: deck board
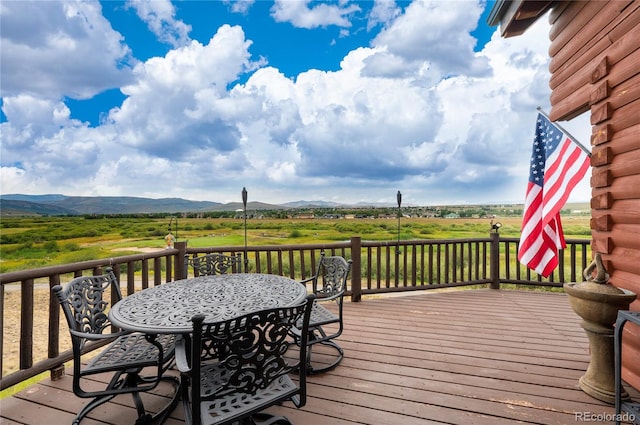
459, 357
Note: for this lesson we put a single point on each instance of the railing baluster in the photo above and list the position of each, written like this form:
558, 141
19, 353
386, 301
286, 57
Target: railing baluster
560, 266
414, 265
369, 267
405, 265
131, 278
157, 271
378, 267
269, 265
388, 280
447, 262
279, 256
438, 262
572, 250
291, 265
507, 259
145, 273
356, 272
430, 264
54, 319
584, 257
169, 268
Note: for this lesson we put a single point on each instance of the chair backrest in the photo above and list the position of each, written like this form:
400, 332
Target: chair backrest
331, 278
254, 351
212, 264
85, 307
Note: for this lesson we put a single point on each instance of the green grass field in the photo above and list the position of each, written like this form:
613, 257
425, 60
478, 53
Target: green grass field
43, 241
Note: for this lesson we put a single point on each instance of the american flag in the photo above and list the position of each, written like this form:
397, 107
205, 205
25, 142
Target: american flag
557, 165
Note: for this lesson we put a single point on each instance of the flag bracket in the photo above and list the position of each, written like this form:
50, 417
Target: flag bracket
573, 139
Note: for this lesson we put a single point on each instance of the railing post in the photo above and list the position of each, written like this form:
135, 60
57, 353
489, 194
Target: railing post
179, 260
26, 323
54, 329
356, 268
494, 260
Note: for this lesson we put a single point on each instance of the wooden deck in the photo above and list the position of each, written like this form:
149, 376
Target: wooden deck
463, 357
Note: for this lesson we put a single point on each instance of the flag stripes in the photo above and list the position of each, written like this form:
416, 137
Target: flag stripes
562, 176
557, 165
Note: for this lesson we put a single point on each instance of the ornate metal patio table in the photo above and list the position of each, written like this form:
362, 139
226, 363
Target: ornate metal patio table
168, 308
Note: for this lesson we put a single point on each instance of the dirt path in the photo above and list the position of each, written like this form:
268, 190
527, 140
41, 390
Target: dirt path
135, 248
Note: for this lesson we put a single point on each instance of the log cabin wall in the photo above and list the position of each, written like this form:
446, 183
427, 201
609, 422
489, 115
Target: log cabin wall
595, 66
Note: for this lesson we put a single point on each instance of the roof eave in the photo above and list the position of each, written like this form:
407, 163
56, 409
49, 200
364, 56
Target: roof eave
516, 16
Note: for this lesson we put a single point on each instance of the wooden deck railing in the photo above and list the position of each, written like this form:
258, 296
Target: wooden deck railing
378, 267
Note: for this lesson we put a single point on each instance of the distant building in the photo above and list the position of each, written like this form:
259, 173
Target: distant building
305, 215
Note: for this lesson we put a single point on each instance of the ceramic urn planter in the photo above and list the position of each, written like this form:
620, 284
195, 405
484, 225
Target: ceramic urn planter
597, 303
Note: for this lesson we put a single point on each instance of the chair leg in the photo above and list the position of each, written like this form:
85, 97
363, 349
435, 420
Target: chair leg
137, 401
146, 418
329, 343
186, 402
143, 416
90, 406
116, 382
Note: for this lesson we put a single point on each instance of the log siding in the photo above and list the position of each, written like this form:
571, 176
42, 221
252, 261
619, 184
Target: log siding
595, 68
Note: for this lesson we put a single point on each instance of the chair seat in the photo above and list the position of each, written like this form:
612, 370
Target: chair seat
320, 315
235, 405
131, 350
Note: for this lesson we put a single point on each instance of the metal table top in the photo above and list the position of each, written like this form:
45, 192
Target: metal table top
168, 308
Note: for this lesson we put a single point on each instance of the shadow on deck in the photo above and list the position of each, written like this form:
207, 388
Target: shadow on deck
460, 357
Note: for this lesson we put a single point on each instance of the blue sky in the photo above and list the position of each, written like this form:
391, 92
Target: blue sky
339, 101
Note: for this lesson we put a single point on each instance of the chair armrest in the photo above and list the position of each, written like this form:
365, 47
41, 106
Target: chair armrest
310, 279
320, 298
98, 337
182, 356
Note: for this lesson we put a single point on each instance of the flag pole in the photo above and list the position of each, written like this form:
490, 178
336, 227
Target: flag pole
573, 139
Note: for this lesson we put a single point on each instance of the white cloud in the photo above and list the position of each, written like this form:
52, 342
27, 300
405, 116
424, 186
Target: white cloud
160, 16
433, 32
383, 12
178, 101
300, 15
15, 180
52, 49
25, 110
417, 110
240, 6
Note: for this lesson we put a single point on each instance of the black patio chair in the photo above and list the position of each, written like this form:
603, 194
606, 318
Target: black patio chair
252, 368
212, 264
328, 285
126, 355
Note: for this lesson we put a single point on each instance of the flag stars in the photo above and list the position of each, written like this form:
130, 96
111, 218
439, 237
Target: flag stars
547, 138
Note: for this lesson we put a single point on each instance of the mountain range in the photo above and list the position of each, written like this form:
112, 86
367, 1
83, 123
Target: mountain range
56, 204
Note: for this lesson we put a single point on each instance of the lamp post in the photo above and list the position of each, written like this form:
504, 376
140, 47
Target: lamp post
170, 238
171, 221
244, 207
399, 199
